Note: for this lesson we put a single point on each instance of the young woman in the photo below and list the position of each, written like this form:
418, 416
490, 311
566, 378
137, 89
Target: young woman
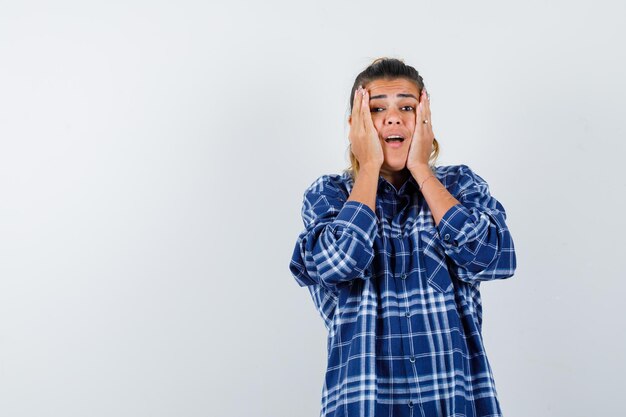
393, 254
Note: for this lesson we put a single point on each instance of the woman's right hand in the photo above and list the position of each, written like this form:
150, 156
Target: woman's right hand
363, 136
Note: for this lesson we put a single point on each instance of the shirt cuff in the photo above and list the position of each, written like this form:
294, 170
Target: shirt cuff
450, 227
358, 217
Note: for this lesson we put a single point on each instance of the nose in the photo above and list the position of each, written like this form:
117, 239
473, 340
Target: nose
392, 117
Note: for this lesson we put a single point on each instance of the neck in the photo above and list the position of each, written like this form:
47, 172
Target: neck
397, 178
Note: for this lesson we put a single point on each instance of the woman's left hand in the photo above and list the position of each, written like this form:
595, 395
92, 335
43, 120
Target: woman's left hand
422, 141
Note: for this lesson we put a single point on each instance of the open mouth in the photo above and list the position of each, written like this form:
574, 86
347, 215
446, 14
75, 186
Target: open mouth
394, 141
394, 138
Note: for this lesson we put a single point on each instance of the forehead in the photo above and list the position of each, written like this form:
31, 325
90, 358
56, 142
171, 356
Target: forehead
391, 87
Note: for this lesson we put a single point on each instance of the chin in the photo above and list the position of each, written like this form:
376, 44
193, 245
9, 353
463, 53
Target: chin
395, 166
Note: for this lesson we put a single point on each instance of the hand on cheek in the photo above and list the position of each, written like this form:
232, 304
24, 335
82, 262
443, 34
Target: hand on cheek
423, 136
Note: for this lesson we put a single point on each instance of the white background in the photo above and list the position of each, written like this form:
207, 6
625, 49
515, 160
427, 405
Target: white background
153, 157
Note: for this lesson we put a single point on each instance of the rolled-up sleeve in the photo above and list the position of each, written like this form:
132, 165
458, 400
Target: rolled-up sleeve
474, 233
336, 245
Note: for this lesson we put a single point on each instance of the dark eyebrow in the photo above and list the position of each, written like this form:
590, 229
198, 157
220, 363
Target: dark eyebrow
397, 95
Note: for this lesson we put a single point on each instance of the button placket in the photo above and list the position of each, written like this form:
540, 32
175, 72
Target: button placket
396, 241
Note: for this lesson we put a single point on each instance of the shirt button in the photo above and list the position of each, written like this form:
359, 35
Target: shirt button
399, 235
408, 314
410, 404
403, 276
412, 359
446, 237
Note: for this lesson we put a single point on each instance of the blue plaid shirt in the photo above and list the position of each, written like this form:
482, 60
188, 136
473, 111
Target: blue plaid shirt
400, 295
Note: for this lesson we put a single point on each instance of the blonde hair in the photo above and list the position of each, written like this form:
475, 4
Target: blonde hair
387, 68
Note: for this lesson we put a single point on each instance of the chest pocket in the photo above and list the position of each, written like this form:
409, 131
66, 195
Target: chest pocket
433, 259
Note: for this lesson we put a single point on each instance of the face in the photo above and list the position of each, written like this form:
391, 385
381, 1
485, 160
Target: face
393, 104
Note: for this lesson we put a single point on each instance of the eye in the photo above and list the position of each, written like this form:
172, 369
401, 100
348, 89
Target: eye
376, 109
411, 108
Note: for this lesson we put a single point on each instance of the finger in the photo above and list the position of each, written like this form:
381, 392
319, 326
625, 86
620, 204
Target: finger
427, 114
366, 116
356, 107
366, 113
419, 117
421, 113
416, 131
426, 106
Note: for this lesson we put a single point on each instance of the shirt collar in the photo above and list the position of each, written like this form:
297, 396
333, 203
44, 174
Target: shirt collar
384, 185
